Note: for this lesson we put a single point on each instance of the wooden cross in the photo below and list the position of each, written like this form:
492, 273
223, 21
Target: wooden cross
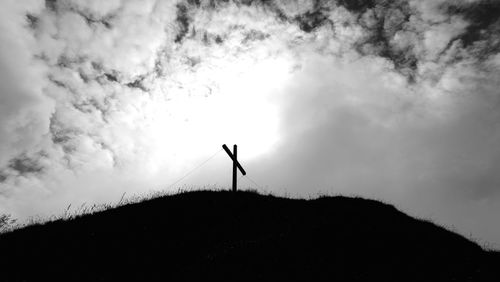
236, 164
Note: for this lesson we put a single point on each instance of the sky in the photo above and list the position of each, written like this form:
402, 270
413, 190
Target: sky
391, 100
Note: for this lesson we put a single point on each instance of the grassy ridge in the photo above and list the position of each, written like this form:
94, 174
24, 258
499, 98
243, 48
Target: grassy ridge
243, 236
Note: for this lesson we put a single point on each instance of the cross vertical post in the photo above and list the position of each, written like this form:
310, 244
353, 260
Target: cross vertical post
235, 158
236, 165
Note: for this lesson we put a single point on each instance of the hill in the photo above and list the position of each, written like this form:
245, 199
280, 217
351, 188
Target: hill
207, 235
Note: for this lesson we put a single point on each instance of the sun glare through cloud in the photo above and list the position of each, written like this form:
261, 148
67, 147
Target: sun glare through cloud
232, 100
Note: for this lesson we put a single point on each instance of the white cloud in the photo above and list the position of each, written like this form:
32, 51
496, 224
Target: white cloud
438, 36
23, 109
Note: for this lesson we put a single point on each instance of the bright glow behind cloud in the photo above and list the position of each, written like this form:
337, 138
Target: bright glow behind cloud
235, 105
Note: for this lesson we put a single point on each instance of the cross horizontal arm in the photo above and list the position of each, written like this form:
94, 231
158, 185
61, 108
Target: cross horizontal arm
232, 158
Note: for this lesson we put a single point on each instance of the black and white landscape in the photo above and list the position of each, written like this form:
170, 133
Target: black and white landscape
102, 102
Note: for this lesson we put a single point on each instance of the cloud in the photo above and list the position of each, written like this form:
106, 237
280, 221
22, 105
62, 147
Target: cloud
337, 129
23, 108
74, 75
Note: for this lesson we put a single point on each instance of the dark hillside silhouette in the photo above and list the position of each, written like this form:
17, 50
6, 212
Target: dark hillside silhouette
208, 235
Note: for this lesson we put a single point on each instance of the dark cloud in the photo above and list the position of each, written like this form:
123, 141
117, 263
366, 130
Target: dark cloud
32, 21
183, 22
25, 165
390, 18
138, 84
482, 16
254, 35
111, 77
51, 5
358, 6
311, 20
92, 20
218, 39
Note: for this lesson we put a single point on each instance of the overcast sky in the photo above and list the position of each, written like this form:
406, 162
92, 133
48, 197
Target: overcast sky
392, 100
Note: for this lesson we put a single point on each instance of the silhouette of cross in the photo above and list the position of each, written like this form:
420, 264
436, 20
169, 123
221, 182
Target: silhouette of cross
236, 164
